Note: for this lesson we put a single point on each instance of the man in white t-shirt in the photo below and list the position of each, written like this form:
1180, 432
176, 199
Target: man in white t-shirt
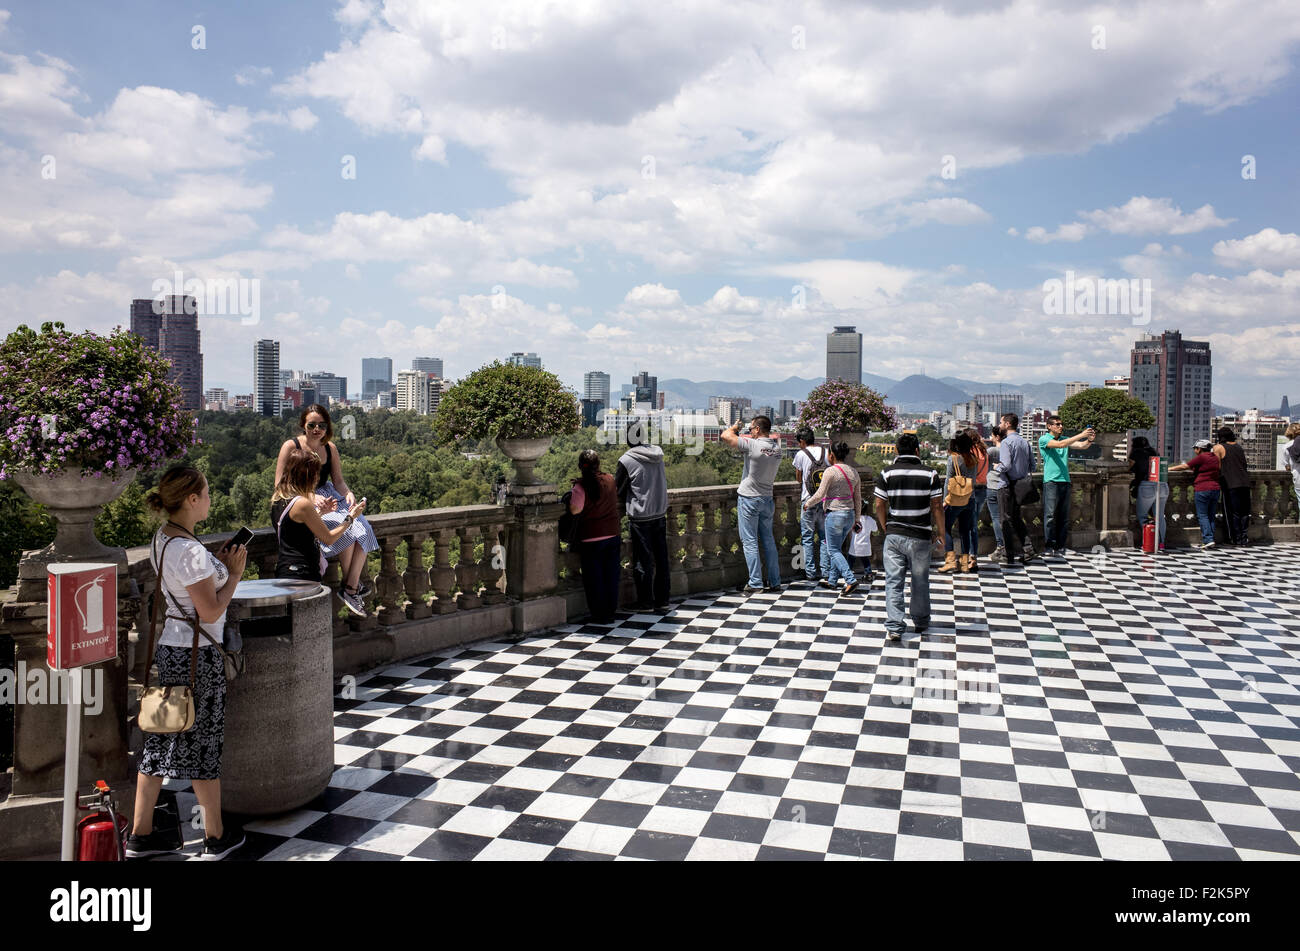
811, 458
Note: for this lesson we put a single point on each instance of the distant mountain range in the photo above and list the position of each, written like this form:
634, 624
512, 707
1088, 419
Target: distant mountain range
914, 394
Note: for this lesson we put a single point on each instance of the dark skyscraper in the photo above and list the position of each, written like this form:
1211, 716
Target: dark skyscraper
174, 335
646, 388
844, 355
1172, 376
1285, 411
376, 376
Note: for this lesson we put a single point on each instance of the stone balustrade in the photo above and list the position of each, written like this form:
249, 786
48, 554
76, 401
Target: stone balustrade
426, 595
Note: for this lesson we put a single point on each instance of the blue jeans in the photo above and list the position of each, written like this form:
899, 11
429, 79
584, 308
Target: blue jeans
994, 514
1056, 514
754, 513
838, 527
1206, 502
1146, 502
963, 516
903, 555
812, 523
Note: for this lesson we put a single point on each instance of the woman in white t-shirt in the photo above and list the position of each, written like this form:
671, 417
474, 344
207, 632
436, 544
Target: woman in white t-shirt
194, 584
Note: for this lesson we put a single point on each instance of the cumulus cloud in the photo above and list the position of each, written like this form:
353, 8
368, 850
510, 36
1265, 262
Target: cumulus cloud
652, 295
1138, 216
1269, 249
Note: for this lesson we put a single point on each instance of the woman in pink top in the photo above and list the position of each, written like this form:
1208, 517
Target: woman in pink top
841, 494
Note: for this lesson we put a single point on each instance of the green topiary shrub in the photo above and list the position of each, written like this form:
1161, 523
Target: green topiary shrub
505, 401
1108, 411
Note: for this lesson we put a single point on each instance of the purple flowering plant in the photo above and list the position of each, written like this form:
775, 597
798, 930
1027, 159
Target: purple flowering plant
100, 404
839, 406
502, 400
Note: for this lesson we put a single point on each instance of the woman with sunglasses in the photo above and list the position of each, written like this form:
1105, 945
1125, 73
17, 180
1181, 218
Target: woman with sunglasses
333, 501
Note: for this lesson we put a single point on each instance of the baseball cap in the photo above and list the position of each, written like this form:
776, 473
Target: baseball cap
1202, 444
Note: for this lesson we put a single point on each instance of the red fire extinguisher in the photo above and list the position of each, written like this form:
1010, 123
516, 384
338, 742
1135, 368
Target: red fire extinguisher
1149, 537
100, 835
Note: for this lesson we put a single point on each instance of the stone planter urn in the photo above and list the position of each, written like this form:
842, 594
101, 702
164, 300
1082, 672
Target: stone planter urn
854, 440
1106, 444
524, 453
74, 501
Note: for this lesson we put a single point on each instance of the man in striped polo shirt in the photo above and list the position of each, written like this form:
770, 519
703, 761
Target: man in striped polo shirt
909, 503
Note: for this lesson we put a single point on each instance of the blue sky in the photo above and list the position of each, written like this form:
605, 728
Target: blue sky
620, 188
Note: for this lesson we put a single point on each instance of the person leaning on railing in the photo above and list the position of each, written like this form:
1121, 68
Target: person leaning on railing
193, 584
600, 543
1291, 460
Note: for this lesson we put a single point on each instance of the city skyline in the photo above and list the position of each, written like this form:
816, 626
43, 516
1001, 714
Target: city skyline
719, 199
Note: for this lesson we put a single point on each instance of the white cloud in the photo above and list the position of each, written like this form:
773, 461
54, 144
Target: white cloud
251, 75
302, 119
354, 13
1139, 215
948, 211
1269, 249
652, 295
4, 19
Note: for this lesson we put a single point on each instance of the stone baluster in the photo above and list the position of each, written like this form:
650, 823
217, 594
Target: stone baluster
492, 566
415, 579
388, 587
331, 581
710, 536
674, 536
442, 576
793, 511
695, 552
467, 568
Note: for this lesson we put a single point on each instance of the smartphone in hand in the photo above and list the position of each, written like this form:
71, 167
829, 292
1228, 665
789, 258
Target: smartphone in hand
242, 537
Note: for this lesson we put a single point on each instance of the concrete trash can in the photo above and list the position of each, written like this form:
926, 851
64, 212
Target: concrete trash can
279, 744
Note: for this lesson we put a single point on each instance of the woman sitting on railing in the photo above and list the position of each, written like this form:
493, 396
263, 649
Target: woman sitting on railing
302, 534
332, 499
1291, 460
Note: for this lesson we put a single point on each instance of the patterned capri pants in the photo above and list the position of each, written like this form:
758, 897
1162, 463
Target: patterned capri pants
196, 753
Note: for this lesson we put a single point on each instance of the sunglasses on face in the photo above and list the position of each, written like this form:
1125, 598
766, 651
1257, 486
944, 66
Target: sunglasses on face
315, 426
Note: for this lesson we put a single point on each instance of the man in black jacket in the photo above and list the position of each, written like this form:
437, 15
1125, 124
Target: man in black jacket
643, 492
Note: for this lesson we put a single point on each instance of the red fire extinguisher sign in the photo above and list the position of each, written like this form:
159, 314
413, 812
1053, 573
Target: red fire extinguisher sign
1153, 469
82, 615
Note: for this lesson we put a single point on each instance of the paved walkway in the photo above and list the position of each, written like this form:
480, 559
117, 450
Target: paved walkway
1102, 706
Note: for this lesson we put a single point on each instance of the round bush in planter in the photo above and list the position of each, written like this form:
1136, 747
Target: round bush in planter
521, 408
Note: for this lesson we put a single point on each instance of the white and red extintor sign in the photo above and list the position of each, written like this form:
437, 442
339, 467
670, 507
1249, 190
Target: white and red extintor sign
83, 615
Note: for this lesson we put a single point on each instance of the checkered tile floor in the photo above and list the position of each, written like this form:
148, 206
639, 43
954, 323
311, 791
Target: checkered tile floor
1101, 706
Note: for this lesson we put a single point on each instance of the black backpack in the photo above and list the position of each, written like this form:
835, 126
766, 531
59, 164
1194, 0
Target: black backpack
813, 478
569, 522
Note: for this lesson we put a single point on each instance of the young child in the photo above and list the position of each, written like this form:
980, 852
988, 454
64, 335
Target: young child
860, 544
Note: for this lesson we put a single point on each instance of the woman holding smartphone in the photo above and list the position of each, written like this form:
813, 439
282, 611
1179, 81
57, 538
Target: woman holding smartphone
300, 530
196, 587
333, 499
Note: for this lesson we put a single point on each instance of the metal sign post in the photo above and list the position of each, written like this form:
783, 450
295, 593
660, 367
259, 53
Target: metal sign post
81, 630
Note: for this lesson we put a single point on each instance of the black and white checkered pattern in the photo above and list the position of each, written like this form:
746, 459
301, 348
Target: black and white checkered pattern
1108, 706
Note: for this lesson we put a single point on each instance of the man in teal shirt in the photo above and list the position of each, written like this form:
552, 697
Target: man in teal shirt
1056, 483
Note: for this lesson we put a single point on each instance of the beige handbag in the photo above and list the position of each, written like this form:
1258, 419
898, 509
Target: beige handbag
166, 709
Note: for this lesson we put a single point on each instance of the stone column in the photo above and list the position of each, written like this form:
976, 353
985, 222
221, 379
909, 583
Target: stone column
1116, 504
532, 560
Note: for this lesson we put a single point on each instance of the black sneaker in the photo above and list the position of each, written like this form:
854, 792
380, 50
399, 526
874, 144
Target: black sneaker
155, 843
773, 589
1029, 556
849, 589
214, 850
364, 589
894, 635
663, 609
823, 583
747, 590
